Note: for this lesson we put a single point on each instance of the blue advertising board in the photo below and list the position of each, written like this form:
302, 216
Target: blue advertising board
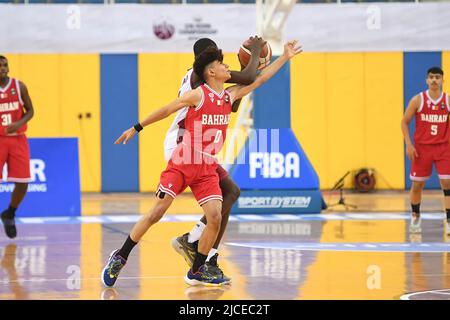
54, 189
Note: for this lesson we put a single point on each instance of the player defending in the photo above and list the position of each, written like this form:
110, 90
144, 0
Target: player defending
14, 149
193, 163
186, 244
431, 143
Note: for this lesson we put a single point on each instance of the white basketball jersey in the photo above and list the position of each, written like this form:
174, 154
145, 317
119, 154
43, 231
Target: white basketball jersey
176, 129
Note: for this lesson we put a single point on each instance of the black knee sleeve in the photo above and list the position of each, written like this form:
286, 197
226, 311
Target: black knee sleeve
447, 192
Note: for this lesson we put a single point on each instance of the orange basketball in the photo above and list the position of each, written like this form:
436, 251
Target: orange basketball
264, 57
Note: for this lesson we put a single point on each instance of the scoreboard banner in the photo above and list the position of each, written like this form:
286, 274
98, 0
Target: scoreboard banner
54, 189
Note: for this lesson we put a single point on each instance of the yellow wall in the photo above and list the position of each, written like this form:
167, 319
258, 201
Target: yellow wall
346, 110
61, 87
446, 68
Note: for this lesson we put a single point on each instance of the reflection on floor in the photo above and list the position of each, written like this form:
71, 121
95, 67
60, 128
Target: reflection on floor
367, 254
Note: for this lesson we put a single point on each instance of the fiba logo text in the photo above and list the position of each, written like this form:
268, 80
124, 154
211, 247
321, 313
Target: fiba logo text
274, 165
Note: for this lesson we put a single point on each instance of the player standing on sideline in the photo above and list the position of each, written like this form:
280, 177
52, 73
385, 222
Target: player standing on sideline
431, 143
193, 163
14, 149
186, 245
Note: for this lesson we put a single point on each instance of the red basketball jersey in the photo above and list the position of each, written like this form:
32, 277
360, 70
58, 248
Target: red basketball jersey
11, 106
432, 120
206, 124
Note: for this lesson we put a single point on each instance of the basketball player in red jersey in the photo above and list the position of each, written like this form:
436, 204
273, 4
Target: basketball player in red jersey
431, 143
186, 244
193, 163
14, 149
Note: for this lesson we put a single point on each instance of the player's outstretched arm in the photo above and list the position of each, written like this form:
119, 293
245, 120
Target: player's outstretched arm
190, 98
413, 106
248, 74
290, 50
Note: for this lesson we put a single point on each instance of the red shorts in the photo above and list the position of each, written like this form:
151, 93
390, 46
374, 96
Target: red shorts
221, 172
201, 178
422, 167
15, 152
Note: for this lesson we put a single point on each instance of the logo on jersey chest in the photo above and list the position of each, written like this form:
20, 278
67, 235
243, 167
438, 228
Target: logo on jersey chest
219, 102
435, 107
13, 91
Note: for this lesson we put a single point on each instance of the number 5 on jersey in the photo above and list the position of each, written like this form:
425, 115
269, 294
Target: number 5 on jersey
434, 129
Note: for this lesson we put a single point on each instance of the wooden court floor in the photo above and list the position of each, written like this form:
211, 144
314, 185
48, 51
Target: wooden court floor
365, 253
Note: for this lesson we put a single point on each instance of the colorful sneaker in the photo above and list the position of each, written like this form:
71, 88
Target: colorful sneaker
112, 269
204, 277
213, 266
415, 225
185, 249
9, 224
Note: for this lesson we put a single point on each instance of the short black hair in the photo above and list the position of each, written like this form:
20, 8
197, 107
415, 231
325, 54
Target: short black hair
210, 54
201, 44
435, 70
3, 57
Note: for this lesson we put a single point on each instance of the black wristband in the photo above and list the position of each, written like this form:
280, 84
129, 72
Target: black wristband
138, 127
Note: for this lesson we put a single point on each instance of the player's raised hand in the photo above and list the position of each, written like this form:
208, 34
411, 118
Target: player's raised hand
411, 152
126, 136
256, 43
292, 48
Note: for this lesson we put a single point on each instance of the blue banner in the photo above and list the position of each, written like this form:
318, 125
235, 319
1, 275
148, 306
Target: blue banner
54, 189
275, 175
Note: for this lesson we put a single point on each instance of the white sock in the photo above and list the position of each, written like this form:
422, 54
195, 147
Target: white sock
211, 253
196, 232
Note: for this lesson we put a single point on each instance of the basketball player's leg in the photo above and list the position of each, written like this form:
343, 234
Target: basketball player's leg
19, 173
443, 169
164, 198
208, 194
421, 169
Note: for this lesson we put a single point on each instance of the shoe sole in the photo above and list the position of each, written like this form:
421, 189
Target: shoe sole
6, 225
193, 282
179, 249
104, 269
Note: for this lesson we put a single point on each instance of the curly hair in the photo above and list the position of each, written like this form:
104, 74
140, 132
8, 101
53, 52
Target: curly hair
209, 55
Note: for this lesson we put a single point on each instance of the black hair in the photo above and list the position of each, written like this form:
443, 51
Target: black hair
210, 54
201, 44
435, 70
3, 57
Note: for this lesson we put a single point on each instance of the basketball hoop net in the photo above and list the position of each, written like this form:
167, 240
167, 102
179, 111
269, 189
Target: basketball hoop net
271, 17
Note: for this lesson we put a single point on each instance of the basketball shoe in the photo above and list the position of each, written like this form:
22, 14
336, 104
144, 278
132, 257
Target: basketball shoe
213, 266
204, 277
415, 224
184, 248
112, 269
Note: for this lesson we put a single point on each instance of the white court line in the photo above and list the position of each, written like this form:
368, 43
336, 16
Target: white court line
31, 220
406, 296
286, 216
250, 217
91, 219
187, 218
123, 218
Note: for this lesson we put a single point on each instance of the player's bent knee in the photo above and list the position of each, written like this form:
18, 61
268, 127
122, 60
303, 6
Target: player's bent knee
417, 186
214, 219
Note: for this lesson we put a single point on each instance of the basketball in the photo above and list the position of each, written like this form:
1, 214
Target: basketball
264, 57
